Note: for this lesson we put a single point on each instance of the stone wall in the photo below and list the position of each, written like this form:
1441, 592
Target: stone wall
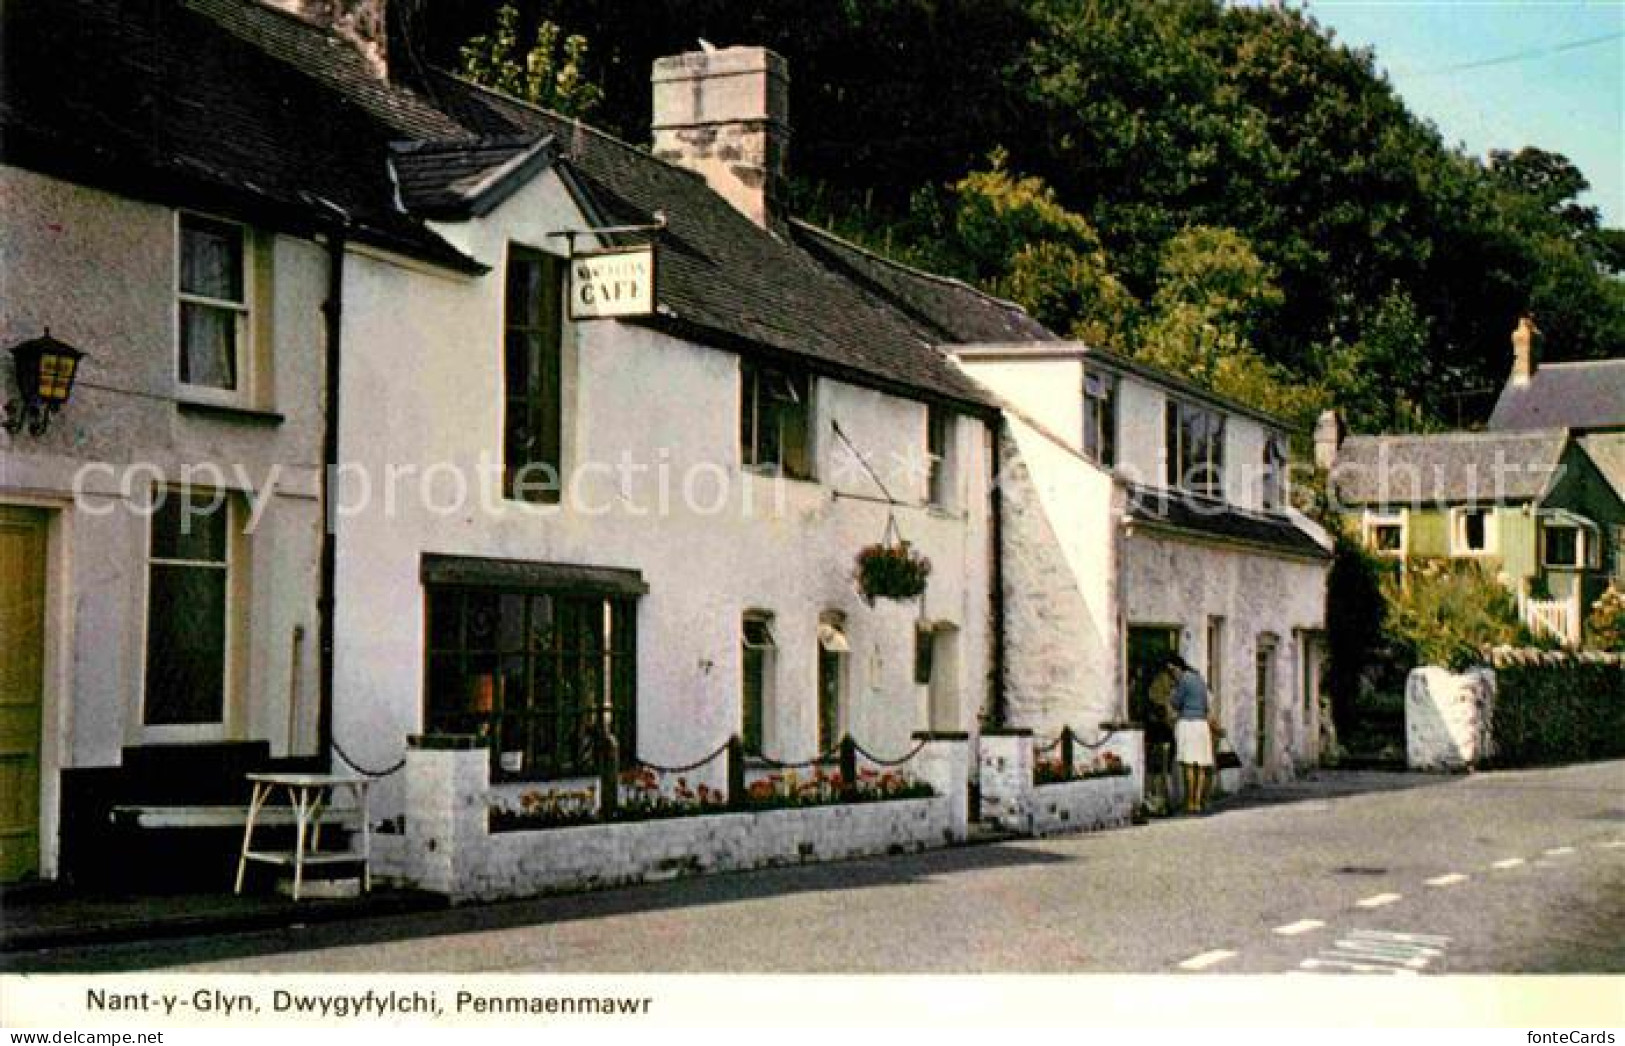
449, 849
1447, 718
1013, 803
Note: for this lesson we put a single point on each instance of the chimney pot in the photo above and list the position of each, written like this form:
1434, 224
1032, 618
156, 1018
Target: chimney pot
725, 115
1329, 433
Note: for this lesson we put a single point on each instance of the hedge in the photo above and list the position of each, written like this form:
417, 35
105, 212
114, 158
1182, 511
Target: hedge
1558, 711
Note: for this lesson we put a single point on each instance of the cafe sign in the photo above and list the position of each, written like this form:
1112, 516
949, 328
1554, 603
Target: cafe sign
611, 283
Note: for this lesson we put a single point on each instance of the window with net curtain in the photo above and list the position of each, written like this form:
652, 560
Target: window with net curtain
214, 309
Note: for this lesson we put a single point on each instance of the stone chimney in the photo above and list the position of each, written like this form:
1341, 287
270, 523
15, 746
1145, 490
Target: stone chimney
1329, 433
1525, 350
384, 31
725, 114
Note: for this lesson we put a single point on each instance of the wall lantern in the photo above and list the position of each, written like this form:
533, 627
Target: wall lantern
45, 371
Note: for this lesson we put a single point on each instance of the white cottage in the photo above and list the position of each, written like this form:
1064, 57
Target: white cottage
315, 281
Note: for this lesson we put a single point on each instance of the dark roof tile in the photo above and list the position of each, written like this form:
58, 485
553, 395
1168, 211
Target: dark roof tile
1588, 395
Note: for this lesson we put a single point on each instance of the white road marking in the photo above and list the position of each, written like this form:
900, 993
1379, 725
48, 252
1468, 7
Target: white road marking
1377, 900
1437, 940
1510, 862
1206, 959
1614, 845
1447, 880
1301, 926
1559, 851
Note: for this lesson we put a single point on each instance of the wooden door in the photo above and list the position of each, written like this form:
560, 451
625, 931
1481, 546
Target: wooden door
22, 655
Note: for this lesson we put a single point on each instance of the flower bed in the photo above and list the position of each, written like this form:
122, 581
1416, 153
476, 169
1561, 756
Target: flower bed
643, 799
1055, 771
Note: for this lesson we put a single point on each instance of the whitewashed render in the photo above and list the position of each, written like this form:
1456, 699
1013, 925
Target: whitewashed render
1081, 568
99, 270
422, 387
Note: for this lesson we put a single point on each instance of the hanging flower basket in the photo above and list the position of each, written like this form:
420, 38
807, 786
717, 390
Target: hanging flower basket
892, 571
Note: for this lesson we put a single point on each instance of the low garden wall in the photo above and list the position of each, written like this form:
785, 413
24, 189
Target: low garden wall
448, 846
1527, 708
1012, 800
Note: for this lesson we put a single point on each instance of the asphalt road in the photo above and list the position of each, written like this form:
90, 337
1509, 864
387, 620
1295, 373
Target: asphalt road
1412, 875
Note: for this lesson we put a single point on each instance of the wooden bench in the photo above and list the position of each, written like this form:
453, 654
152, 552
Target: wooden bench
138, 816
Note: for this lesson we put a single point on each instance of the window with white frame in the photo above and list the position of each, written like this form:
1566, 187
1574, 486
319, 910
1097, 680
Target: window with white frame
1618, 569
1195, 445
759, 658
188, 609
939, 445
1472, 531
1385, 532
214, 306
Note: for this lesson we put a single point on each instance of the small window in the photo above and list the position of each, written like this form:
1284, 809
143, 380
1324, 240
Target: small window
1100, 418
1563, 547
760, 661
775, 419
833, 649
1471, 531
188, 607
1195, 446
532, 377
939, 452
213, 314
1275, 460
1385, 534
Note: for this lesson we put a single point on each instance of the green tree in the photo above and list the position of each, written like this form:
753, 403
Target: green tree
550, 72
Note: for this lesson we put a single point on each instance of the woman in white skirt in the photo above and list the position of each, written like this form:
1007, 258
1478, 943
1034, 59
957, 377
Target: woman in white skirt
1193, 741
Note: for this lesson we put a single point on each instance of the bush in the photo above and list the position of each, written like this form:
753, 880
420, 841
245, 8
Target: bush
1605, 628
1562, 712
1449, 613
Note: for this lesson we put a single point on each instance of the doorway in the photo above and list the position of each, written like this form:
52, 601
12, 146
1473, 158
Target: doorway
22, 686
1264, 699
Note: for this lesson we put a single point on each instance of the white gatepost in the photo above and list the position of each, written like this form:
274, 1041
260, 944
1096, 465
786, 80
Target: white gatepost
448, 779
1005, 762
943, 763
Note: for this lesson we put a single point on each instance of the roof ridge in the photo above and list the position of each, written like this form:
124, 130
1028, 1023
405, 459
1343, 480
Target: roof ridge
934, 277
1609, 362
1496, 435
574, 121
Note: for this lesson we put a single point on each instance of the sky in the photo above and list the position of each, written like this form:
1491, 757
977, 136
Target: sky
1502, 74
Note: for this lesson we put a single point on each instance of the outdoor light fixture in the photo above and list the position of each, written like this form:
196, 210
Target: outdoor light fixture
45, 371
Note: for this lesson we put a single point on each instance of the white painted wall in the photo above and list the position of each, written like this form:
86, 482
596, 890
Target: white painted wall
1175, 581
98, 270
422, 386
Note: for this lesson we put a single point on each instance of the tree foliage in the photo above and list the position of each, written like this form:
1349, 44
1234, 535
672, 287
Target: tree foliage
550, 72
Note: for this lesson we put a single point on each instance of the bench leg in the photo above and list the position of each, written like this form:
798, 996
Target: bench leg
302, 811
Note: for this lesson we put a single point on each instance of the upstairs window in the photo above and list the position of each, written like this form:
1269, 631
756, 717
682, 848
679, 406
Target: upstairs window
1470, 532
532, 339
1274, 473
1100, 418
938, 450
1385, 533
775, 419
1195, 441
213, 313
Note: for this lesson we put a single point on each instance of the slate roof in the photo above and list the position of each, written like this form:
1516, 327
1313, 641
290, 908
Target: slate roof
228, 104
953, 311
1189, 514
153, 99
1472, 467
1588, 395
463, 178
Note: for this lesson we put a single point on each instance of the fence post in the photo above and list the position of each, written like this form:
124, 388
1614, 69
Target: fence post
736, 772
849, 767
609, 774
1067, 750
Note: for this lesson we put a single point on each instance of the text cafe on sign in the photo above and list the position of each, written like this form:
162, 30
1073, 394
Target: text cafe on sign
619, 282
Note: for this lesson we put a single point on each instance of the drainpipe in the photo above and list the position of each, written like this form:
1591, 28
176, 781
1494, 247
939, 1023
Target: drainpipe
996, 510
333, 317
